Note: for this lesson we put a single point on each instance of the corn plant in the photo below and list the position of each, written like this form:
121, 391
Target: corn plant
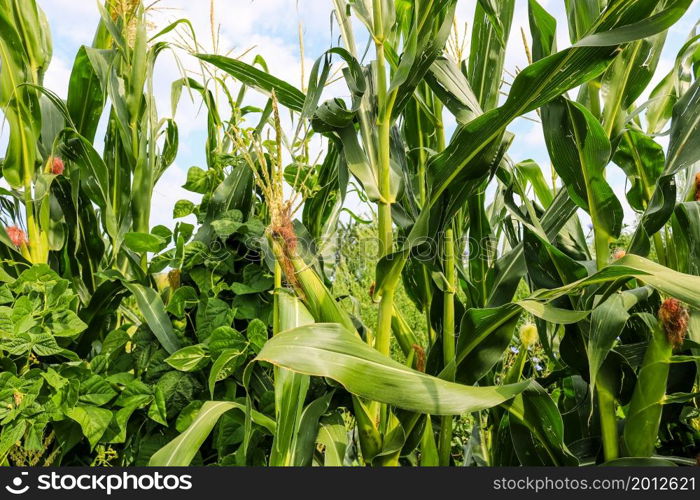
526, 342
448, 183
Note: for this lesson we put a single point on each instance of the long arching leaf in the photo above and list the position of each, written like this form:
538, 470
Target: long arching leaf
329, 350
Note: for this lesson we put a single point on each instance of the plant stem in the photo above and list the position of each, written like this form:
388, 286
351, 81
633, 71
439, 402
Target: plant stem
608, 422
647, 190
386, 238
423, 198
448, 339
276, 306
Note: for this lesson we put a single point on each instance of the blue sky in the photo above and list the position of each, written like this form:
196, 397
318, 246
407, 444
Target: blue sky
270, 27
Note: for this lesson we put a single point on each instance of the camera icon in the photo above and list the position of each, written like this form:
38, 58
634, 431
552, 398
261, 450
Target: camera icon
17, 488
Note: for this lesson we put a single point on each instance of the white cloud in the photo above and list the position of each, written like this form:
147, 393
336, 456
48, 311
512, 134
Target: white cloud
270, 28
58, 76
166, 193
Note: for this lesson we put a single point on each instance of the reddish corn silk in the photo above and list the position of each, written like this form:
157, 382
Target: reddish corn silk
16, 235
697, 186
619, 253
674, 317
57, 166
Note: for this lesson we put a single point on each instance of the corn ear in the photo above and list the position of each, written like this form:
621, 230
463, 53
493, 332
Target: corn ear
290, 387
644, 416
317, 298
370, 439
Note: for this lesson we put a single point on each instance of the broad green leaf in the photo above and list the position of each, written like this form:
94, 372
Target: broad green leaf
257, 334
683, 151
189, 359
116, 431
181, 450
660, 21
197, 181
607, 322
41, 344
580, 151
328, 350
334, 438
153, 310
223, 338
535, 410
487, 52
92, 420
543, 27
96, 390
65, 323
157, 411
183, 208
290, 388
182, 299
225, 365
144, 242
288, 95
179, 389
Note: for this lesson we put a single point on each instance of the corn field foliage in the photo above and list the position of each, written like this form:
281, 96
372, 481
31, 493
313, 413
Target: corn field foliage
483, 325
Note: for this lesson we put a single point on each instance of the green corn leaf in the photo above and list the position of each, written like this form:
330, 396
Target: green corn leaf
644, 417
607, 322
580, 151
290, 388
657, 23
484, 335
288, 95
681, 286
151, 306
475, 148
334, 438
490, 32
532, 172
535, 410
180, 451
642, 159
329, 350
683, 151
543, 27
87, 93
